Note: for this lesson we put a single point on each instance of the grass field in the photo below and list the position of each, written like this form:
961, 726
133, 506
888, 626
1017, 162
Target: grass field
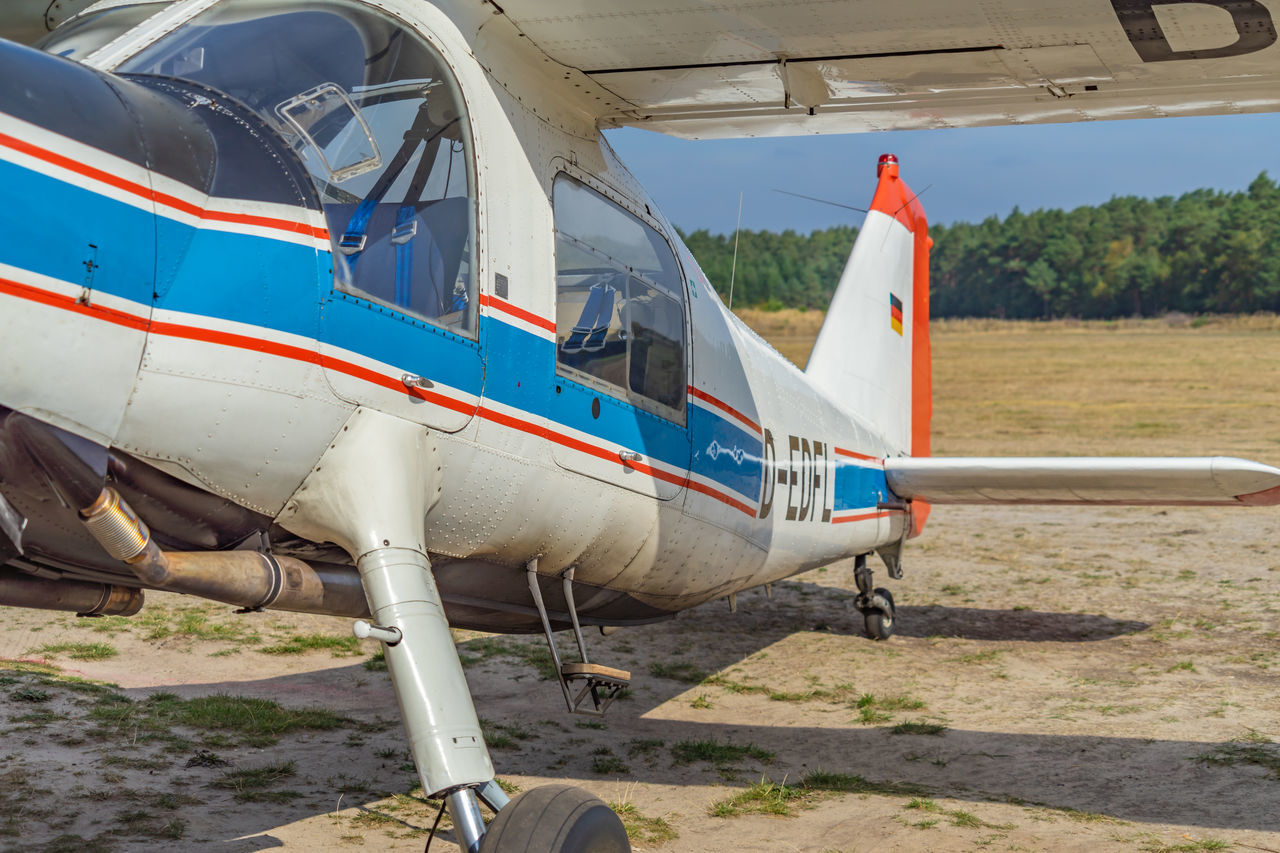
1173, 386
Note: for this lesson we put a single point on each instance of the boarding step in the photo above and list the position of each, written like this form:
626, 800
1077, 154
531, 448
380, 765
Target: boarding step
600, 684
589, 688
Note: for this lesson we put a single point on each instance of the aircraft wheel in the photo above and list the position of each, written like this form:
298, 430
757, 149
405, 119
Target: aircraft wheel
556, 819
880, 623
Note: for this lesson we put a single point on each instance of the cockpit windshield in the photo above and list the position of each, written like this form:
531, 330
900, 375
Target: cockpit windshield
377, 118
85, 33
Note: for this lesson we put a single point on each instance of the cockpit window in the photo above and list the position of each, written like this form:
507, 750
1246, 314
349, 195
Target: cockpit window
377, 118
619, 301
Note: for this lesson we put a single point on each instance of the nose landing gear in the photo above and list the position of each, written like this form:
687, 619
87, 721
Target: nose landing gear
875, 604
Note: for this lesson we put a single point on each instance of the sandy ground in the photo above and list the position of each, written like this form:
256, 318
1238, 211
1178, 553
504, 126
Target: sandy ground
1106, 680
1097, 679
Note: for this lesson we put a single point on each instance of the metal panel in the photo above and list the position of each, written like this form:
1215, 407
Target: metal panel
782, 68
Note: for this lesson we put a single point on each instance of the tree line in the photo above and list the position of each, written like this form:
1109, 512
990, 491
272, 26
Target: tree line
1205, 251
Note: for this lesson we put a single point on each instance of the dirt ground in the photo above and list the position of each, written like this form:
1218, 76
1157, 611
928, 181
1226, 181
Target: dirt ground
1063, 679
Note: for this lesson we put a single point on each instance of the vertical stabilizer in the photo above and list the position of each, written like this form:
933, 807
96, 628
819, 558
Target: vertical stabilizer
872, 354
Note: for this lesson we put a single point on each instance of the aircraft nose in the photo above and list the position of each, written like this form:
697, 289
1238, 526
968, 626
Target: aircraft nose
77, 240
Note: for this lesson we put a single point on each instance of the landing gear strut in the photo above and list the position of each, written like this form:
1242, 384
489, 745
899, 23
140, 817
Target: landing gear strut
876, 604
369, 494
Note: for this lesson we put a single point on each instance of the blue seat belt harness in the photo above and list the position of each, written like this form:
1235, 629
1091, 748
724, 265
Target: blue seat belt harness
589, 332
407, 227
355, 238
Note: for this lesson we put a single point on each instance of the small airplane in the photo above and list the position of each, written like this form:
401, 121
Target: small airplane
349, 308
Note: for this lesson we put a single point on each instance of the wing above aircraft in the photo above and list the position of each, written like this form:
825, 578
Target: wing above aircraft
1204, 480
782, 67
796, 67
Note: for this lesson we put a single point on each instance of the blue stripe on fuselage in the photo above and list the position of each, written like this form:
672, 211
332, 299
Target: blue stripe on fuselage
725, 452
858, 486
261, 281
522, 374
239, 277
54, 228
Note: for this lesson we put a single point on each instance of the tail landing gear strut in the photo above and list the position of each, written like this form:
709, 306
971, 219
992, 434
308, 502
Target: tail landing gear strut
876, 604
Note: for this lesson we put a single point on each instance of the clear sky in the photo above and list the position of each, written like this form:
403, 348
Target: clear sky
970, 173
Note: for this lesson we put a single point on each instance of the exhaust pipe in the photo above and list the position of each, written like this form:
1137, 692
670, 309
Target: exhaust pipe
83, 598
247, 579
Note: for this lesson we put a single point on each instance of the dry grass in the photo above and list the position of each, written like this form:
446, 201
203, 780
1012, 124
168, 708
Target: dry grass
791, 331
1168, 386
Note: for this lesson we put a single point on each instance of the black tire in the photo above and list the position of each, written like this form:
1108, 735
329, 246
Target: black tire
556, 819
880, 624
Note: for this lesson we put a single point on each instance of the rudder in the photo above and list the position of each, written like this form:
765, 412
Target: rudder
872, 353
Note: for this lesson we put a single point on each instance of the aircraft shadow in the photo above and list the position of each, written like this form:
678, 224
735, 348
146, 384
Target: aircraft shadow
1084, 773
1094, 774
1029, 626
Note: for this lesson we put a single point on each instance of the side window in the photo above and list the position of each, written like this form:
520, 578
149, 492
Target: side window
619, 301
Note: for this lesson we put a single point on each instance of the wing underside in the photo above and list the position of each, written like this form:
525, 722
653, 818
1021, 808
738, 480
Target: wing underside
1195, 481
793, 67
787, 67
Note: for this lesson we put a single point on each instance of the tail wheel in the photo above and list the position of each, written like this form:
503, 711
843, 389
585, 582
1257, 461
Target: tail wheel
880, 621
556, 819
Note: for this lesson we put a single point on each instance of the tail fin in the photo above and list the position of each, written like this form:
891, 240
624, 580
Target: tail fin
872, 353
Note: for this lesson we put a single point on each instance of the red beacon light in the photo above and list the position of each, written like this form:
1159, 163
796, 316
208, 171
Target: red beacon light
886, 160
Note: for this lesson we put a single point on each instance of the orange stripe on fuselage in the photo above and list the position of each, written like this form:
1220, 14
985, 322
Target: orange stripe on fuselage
866, 516
282, 350
145, 192
723, 406
517, 312
853, 454
67, 303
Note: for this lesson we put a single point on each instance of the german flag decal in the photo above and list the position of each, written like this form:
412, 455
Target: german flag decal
895, 313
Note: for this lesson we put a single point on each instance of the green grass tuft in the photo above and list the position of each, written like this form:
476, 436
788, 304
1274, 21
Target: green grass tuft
870, 716
844, 783
645, 746
252, 783
918, 727
734, 686
764, 797
80, 651
605, 763
481, 649
714, 752
645, 830
1156, 845
339, 647
1252, 748
679, 671
29, 694
256, 722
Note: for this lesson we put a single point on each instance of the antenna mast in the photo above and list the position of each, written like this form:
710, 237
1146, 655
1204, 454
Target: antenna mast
733, 271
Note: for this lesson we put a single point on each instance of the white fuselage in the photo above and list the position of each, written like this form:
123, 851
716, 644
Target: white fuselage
242, 394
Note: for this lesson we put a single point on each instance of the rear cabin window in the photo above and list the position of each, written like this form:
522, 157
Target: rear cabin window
619, 302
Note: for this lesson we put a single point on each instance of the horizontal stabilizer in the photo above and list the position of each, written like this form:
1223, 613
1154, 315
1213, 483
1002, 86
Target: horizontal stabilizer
1137, 480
